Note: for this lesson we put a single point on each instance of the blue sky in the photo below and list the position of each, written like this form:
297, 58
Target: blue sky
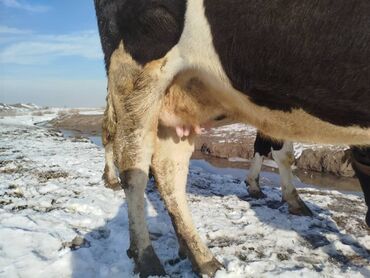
50, 53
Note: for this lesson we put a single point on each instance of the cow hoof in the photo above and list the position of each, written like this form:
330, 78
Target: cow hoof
210, 268
256, 194
299, 208
148, 264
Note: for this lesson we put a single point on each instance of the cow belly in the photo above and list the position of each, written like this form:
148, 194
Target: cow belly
289, 55
295, 125
348, 124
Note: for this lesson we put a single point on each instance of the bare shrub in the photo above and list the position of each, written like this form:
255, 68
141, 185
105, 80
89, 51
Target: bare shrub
37, 113
74, 111
62, 113
47, 112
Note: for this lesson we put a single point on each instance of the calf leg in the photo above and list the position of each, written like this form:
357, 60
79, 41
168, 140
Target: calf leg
108, 131
110, 177
361, 165
285, 158
170, 166
136, 108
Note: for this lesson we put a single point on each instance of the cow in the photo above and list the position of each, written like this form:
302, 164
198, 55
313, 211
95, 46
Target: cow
296, 70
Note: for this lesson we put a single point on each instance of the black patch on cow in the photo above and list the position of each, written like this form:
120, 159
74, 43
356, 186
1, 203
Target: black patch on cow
288, 54
361, 165
148, 28
263, 144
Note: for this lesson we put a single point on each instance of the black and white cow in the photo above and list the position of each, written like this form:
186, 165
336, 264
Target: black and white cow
297, 70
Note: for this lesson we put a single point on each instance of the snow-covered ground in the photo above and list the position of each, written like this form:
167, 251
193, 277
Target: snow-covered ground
58, 220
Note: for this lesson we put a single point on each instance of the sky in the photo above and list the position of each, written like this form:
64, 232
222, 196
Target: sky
50, 53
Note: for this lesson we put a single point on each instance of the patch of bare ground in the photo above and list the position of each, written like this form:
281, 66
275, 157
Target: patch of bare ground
88, 124
347, 213
50, 174
16, 169
12, 167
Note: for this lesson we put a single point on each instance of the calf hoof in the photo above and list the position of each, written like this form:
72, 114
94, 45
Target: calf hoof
209, 268
148, 264
299, 208
113, 184
256, 194
183, 252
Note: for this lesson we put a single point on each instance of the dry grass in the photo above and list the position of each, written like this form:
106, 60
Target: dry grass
74, 111
13, 170
62, 113
51, 174
37, 113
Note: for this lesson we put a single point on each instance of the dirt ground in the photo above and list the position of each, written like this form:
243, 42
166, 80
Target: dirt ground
86, 124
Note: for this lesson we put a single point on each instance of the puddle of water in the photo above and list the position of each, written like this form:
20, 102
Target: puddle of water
97, 140
269, 175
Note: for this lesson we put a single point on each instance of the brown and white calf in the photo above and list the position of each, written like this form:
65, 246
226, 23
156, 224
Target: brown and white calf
297, 70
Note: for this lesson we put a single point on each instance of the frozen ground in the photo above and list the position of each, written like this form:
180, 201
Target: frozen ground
58, 220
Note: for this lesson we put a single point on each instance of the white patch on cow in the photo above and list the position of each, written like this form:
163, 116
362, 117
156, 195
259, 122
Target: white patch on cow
254, 172
196, 44
284, 159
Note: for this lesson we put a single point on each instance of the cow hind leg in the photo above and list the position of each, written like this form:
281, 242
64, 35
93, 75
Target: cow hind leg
285, 158
170, 165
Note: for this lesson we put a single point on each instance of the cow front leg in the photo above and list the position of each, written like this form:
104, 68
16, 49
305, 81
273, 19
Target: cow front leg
285, 158
170, 166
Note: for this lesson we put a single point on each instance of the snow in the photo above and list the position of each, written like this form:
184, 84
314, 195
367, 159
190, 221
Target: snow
58, 220
18, 106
